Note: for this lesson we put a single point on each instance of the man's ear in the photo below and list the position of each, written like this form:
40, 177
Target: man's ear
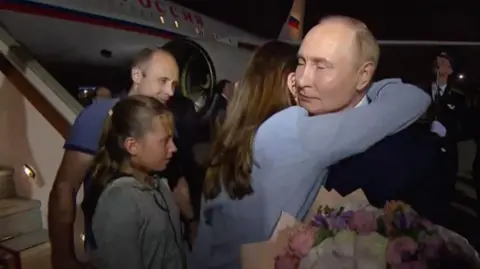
292, 85
365, 74
136, 75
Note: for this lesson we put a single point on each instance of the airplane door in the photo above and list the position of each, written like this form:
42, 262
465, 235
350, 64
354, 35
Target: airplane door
197, 74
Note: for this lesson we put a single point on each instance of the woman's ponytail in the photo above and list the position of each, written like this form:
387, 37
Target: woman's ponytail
103, 169
104, 166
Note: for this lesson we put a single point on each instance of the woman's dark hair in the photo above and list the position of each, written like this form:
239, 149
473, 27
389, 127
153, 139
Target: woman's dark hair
261, 93
130, 117
221, 85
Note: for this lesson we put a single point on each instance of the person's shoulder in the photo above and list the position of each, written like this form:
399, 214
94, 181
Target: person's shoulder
392, 82
98, 108
280, 124
277, 132
125, 188
283, 118
385, 81
87, 128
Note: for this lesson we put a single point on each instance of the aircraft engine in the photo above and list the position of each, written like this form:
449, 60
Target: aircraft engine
202, 63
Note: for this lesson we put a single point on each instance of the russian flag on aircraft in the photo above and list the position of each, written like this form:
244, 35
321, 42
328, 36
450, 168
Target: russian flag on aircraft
293, 22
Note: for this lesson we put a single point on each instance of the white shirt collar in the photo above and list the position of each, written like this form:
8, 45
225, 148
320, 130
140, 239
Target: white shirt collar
362, 102
441, 87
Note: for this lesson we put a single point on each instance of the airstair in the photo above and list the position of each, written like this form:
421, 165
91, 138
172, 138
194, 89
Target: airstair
35, 115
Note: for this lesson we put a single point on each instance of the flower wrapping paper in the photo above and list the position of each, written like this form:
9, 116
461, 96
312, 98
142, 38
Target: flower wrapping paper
349, 250
261, 255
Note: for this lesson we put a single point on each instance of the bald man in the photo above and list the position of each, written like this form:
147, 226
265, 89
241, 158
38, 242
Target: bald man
154, 73
102, 93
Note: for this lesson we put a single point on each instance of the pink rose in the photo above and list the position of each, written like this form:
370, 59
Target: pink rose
409, 265
286, 262
301, 242
363, 222
399, 246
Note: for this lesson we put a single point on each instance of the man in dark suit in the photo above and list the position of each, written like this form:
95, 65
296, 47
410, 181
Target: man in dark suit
406, 166
183, 164
224, 91
448, 114
218, 108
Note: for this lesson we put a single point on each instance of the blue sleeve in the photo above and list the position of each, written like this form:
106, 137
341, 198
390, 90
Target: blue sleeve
394, 106
329, 138
87, 128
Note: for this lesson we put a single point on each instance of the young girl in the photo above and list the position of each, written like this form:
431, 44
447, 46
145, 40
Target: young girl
136, 223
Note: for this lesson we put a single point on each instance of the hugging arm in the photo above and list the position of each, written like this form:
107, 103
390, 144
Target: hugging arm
335, 136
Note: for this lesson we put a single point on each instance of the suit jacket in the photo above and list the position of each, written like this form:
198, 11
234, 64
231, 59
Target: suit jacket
451, 110
214, 116
183, 162
219, 109
406, 166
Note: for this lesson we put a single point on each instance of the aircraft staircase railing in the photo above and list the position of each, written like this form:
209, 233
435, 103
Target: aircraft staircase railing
54, 93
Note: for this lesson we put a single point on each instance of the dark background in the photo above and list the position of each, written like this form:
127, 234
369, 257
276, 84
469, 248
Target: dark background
388, 20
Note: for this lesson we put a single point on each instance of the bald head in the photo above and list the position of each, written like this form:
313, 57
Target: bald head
155, 74
336, 64
102, 93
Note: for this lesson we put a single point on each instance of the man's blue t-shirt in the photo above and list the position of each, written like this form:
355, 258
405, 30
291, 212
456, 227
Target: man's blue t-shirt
84, 137
87, 128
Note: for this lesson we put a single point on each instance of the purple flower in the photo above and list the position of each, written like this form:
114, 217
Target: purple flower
404, 220
347, 214
338, 223
399, 247
320, 221
363, 222
331, 222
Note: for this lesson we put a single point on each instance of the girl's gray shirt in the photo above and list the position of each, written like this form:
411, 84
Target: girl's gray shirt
137, 226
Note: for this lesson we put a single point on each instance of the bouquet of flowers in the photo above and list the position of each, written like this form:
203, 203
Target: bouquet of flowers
352, 234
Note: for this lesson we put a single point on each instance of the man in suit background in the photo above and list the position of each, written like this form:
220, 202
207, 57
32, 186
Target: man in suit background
448, 115
215, 114
183, 163
224, 91
405, 166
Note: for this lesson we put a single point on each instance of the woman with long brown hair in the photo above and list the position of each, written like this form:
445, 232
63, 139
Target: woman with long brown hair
252, 178
261, 93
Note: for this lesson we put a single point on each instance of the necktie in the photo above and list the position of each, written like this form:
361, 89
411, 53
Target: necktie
438, 94
436, 102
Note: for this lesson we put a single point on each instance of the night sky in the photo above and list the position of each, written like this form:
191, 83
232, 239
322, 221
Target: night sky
388, 20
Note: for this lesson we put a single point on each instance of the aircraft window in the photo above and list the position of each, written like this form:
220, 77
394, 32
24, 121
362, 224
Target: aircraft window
197, 72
